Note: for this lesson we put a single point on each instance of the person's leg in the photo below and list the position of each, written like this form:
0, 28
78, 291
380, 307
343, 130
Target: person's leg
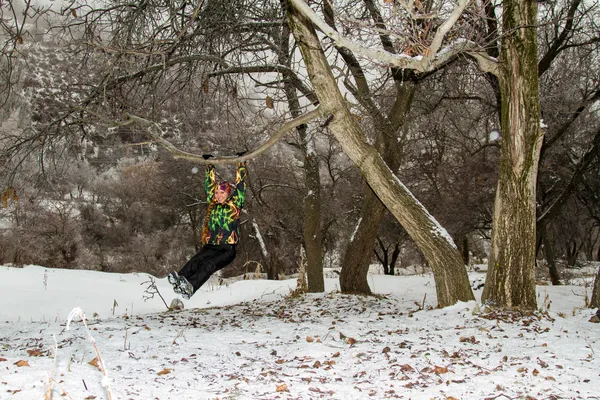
214, 259
191, 267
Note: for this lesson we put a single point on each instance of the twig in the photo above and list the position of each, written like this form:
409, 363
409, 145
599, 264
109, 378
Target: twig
105, 380
180, 334
152, 289
49, 390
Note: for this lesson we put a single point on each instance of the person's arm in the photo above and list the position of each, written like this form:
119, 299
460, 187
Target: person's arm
240, 185
210, 183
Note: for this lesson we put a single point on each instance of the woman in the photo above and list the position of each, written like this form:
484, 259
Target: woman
220, 232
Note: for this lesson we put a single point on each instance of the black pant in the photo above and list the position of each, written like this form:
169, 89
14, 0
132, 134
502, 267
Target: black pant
209, 259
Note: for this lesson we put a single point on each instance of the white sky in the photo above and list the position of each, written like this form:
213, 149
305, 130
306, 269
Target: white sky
248, 340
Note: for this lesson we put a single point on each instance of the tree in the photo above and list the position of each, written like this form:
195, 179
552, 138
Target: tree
596, 291
510, 280
452, 282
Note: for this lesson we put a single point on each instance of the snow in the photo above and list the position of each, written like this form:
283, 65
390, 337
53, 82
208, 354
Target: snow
250, 339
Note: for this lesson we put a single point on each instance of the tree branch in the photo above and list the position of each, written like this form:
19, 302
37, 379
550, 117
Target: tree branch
156, 133
431, 61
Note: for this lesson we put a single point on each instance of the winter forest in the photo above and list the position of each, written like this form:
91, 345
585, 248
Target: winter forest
436, 133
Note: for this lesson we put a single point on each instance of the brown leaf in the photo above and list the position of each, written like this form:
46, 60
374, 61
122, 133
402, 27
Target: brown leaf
34, 352
3, 359
90, 397
269, 102
19, 39
535, 372
165, 371
95, 363
22, 363
282, 388
440, 370
317, 364
351, 341
406, 368
205, 86
309, 339
74, 13
336, 354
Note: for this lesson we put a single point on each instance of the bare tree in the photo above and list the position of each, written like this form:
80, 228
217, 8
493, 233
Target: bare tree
452, 283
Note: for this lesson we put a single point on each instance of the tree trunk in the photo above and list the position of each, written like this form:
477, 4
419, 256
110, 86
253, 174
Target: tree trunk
450, 274
312, 234
549, 253
312, 223
355, 265
595, 303
510, 279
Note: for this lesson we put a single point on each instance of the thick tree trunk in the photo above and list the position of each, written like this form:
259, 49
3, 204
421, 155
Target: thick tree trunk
510, 279
450, 274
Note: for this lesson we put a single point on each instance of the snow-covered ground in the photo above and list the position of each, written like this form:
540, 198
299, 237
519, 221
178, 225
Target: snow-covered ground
250, 339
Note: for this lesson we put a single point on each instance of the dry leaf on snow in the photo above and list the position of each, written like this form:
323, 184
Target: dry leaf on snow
165, 371
95, 363
282, 388
22, 363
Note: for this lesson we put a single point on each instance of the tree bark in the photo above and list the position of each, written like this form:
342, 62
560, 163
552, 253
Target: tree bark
312, 233
548, 241
510, 279
595, 303
450, 274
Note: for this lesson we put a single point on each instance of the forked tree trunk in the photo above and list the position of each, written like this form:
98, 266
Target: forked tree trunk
450, 274
510, 279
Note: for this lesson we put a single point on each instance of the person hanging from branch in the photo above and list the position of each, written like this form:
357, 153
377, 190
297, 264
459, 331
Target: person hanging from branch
220, 233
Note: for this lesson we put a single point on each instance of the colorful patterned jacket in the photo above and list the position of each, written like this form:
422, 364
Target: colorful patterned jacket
221, 225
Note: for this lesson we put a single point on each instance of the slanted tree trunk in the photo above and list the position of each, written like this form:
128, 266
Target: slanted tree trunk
358, 255
510, 279
450, 274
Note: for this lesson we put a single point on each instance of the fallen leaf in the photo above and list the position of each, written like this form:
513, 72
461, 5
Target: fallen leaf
440, 370
336, 354
22, 363
95, 363
351, 341
34, 353
282, 388
3, 359
535, 372
165, 371
90, 397
309, 339
406, 367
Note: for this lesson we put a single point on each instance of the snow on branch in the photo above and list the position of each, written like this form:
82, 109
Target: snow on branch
433, 58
